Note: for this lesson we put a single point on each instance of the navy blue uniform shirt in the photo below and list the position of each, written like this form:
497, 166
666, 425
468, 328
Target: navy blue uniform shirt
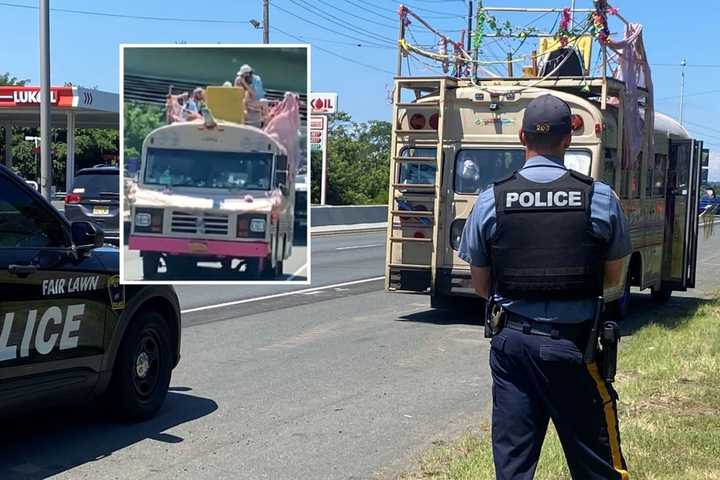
608, 222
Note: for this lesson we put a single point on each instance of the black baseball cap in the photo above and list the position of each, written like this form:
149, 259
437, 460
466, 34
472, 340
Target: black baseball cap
547, 115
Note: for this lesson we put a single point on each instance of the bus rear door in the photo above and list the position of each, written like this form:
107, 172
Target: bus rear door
681, 218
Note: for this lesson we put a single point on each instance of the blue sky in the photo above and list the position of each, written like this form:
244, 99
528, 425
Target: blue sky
84, 47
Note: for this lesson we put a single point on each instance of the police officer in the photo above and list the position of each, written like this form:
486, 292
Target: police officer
541, 245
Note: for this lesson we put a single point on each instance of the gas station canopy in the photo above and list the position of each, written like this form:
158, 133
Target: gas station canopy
70, 108
90, 108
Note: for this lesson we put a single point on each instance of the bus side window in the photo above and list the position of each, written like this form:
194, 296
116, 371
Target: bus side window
660, 174
609, 167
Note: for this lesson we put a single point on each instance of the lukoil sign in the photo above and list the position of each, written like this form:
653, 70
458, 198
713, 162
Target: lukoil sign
323, 103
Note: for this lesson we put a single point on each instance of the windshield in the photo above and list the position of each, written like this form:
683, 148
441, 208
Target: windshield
97, 183
203, 169
477, 169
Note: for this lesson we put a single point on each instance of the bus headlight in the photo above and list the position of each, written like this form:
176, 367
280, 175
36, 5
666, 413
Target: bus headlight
251, 226
456, 230
257, 225
142, 219
148, 220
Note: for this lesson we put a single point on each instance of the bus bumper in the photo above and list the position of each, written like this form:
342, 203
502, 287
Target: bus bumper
188, 246
454, 282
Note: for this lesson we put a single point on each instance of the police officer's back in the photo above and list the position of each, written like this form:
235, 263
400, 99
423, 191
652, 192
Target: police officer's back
540, 244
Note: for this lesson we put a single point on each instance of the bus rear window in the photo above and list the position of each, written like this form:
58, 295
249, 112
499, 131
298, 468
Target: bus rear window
476, 169
418, 173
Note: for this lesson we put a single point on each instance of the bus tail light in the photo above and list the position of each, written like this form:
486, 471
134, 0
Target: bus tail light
72, 198
576, 122
417, 121
434, 120
598, 128
456, 230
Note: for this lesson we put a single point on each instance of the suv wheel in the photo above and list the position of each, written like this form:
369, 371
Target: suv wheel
141, 375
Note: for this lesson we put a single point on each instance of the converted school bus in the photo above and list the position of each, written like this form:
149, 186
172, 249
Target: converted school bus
452, 138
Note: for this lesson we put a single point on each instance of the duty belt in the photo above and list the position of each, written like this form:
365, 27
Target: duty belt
574, 332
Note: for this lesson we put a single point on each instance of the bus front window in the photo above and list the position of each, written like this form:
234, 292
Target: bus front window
207, 169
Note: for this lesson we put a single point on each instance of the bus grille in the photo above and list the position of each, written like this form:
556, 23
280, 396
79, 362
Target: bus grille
203, 224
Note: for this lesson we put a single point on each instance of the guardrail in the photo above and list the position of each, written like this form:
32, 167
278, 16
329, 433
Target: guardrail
321, 216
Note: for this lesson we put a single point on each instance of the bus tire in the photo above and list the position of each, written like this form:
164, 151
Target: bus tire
660, 295
142, 370
621, 307
150, 264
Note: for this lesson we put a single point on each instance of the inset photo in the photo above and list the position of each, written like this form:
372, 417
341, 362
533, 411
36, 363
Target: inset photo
214, 160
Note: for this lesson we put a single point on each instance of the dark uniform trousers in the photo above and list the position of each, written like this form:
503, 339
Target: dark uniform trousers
537, 378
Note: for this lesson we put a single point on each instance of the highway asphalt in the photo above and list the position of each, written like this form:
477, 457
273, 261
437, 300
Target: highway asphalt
335, 381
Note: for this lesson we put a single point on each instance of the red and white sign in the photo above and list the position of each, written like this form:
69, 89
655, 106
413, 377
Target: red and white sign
16, 96
323, 103
318, 132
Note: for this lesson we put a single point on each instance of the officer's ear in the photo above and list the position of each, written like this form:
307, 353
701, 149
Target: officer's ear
567, 141
521, 135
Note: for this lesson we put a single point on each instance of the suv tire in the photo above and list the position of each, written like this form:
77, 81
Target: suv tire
142, 370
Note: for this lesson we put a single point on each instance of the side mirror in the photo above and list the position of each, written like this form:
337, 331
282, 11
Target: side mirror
87, 235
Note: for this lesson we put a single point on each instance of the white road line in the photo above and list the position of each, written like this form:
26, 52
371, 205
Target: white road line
297, 272
360, 246
279, 295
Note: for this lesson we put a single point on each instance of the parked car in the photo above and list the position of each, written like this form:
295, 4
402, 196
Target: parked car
69, 329
95, 197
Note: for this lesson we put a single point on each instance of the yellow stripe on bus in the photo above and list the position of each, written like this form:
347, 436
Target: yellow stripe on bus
610, 420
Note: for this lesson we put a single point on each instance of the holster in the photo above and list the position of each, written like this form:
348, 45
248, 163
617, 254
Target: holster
494, 317
609, 338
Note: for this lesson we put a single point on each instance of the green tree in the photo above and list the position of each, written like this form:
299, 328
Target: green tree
140, 119
7, 79
358, 162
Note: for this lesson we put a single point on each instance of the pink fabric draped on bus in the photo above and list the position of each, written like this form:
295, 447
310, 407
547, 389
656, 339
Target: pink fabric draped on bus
635, 72
283, 125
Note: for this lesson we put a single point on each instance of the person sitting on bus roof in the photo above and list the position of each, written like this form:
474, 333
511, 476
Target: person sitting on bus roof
250, 81
192, 105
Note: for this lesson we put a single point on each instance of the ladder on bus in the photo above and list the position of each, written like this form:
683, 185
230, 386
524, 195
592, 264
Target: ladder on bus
400, 275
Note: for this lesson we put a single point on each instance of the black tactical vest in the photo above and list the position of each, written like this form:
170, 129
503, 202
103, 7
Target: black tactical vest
544, 246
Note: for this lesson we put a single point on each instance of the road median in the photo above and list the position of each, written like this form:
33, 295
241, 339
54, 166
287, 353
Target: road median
668, 377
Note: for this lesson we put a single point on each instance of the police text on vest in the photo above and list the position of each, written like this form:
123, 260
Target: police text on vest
560, 198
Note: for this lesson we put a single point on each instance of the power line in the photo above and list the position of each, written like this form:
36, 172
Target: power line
697, 65
131, 17
375, 44
347, 59
697, 94
340, 22
439, 15
358, 17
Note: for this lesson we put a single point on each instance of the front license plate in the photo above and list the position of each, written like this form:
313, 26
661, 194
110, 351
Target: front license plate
197, 247
101, 210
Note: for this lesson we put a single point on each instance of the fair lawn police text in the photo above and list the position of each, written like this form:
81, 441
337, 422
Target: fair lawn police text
62, 286
43, 343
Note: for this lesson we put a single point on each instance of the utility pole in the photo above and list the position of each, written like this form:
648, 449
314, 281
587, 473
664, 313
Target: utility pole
45, 159
683, 64
266, 21
469, 27
572, 13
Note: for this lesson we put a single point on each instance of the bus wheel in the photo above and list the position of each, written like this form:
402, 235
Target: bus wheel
660, 295
150, 264
621, 307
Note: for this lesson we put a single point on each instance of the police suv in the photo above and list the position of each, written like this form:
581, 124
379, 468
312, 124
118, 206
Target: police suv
67, 325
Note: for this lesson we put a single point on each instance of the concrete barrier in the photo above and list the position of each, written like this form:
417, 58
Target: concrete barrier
347, 215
